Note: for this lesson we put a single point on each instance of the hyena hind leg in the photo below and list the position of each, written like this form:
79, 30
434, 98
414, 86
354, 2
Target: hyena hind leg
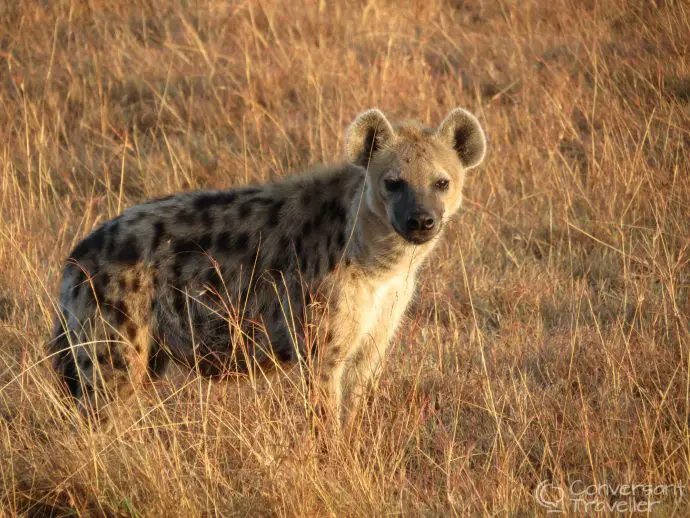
101, 364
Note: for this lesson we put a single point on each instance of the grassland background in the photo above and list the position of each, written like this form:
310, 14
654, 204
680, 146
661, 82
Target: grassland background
550, 339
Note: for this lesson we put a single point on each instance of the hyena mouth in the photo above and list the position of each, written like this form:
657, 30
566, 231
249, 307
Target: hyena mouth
417, 237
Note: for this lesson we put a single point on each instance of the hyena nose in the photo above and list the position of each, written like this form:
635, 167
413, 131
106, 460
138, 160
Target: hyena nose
420, 221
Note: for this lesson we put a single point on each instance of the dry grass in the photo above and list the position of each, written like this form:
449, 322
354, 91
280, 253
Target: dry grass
550, 340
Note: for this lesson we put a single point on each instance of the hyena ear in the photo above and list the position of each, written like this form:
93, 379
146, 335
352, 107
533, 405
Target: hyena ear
461, 130
369, 132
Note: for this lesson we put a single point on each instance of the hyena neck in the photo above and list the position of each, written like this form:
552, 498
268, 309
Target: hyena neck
375, 247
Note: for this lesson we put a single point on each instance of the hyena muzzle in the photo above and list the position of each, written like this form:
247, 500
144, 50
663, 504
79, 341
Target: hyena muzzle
316, 268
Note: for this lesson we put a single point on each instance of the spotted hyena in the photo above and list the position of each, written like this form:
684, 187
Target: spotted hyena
317, 268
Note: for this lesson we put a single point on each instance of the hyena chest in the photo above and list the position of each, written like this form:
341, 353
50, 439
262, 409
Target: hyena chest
382, 304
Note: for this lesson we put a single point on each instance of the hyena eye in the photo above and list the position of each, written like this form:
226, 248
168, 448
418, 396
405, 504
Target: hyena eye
442, 185
393, 184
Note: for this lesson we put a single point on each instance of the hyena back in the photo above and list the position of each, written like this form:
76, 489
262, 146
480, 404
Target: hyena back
317, 266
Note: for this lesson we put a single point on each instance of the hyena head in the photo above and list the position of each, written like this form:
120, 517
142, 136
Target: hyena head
415, 174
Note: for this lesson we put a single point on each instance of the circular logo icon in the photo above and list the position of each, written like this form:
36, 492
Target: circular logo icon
550, 496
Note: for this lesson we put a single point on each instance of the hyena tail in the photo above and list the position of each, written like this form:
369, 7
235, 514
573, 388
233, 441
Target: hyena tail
61, 349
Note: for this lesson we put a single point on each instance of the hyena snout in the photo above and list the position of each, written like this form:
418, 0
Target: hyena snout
420, 221
415, 217
420, 225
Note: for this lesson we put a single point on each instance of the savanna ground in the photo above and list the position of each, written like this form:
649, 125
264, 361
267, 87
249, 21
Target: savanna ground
550, 339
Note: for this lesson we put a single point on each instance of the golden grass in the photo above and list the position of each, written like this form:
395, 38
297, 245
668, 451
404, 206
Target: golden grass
550, 339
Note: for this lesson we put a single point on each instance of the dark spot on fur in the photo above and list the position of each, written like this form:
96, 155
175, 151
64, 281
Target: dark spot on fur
131, 330
327, 207
261, 310
205, 241
178, 267
118, 362
263, 201
100, 286
257, 257
306, 197
245, 209
81, 276
280, 261
244, 294
136, 284
102, 358
119, 313
307, 227
283, 354
209, 200
303, 263
158, 360
274, 213
122, 283
213, 279
277, 312
98, 293
328, 367
241, 242
158, 235
317, 265
179, 303
336, 211
206, 218
136, 218
184, 216
91, 244
249, 191
128, 252
185, 246
79, 282
113, 229
223, 241
70, 377
336, 180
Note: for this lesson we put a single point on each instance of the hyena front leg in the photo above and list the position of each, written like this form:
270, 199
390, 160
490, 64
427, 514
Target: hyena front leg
363, 366
360, 374
346, 376
337, 335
